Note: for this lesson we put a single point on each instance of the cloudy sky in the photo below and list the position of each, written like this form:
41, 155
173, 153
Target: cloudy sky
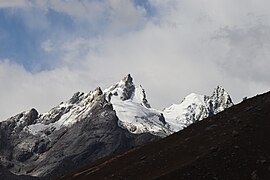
50, 49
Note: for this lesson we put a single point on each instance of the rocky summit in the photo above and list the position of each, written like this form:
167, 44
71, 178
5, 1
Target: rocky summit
94, 125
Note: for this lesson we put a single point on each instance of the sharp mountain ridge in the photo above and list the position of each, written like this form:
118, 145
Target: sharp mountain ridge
96, 124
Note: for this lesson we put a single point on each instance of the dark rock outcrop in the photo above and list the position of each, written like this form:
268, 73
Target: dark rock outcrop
128, 88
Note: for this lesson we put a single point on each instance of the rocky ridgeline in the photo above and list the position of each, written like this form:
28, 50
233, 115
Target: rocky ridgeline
93, 125
52, 152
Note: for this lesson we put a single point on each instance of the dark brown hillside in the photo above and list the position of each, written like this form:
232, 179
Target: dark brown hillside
234, 144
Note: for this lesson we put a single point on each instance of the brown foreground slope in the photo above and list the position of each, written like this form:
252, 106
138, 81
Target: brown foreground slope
234, 144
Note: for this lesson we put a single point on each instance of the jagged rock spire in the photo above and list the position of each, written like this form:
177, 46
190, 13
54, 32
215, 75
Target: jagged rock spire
128, 87
128, 79
221, 99
98, 91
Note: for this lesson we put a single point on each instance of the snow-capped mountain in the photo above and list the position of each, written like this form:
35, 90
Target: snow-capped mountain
95, 124
74, 133
136, 115
196, 107
128, 100
133, 110
65, 114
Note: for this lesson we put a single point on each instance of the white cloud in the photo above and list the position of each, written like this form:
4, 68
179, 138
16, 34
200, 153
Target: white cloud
188, 46
248, 52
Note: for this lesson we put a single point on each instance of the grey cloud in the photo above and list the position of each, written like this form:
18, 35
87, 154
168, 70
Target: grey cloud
248, 54
171, 54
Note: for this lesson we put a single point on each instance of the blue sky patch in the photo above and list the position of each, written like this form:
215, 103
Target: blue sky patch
150, 10
19, 44
23, 31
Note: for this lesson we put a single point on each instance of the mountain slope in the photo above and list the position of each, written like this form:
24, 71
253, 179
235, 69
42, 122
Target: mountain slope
233, 144
93, 125
48, 147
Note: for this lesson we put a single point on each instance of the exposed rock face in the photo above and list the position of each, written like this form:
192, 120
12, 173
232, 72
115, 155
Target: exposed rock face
31, 116
144, 100
219, 101
92, 125
49, 149
128, 88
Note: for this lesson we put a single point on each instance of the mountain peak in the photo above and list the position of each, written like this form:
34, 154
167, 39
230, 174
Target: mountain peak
98, 91
219, 89
128, 87
126, 81
127, 78
220, 99
127, 90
